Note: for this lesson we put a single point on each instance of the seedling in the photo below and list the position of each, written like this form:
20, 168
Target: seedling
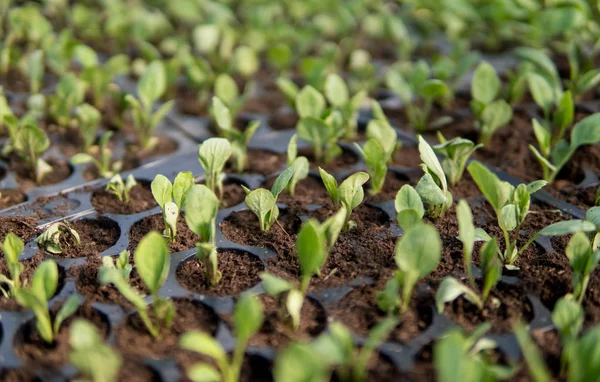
409, 207
553, 157
299, 362
248, 318
30, 142
348, 194
456, 154
417, 254
202, 206
313, 245
300, 164
238, 139
531, 353
263, 203
150, 88
226, 90
35, 71
490, 112
12, 249
380, 130
213, 155
376, 159
170, 198
418, 92
101, 157
121, 263
120, 189
36, 297
337, 349
69, 94
433, 186
90, 355
583, 258
51, 239
88, 118
338, 96
152, 260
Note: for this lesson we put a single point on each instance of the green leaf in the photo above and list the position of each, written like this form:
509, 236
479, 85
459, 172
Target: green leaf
418, 251
588, 80
535, 186
274, 285
336, 90
578, 251
203, 373
288, 88
153, 83
203, 343
429, 191
330, 185
565, 111
466, 229
495, 191
450, 289
248, 316
221, 114
282, 181
431, 161
541, 91
310, 103
45, 280
495, 115
533, 358
85, 55
162, 190
586, 132
408, 199
398, 85
13, 247
508, 219
486, 83
567, 227
384, 134
292, 149
213, 154
568, 316
310, 249
593, 215
182, 183
201, 208
83, 335
450, 361
31, 138
300, 363
226, 89
69, 308
261, 202
351, 192
152, 260
434, 89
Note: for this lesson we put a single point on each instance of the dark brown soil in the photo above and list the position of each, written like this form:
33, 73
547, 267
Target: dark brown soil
242, 227
133, 339
30, 265
25, 227
21, 374
284, 120
97, 235
86, 281
308, 191
61, 170
260, 162
407, 156
141, 199
549, 345
240, 272
188, 102
346, 160
264, 103
358, 311
185, 239
164, 146
30, 346
393, 183
514, 307
135, 371
10, 197
276, 330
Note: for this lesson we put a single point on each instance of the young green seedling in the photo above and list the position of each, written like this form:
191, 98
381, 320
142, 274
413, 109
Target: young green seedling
417, 86
227, 91
88, 118
170, 198
417, 254
456, 154
298, 362
300, 163
433, 186
490, 113
69, 94
150, 88
30, 142
100, 156
533, 357
239, 139
583, 258
338, 96
152, 261
36, 297
409, 207
348, 194
120, 189
313, 245
50, 239
376, 160
201, 206
12, 248
213, 155
248, 318
89, 354
263, 203
337, 349
380, 129
121, 263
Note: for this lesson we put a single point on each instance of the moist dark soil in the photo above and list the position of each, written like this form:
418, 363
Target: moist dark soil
283, 120
96, 235
25, 227
240, 272
407, 156
343, 161
11, 197
33, 350
393, 183
19, 375
48, 207
308, 191
61, 170
397, 117
185, 239
187, 102
264, 103
86, 282
260, 162
277, 331
133, 339
242, 227
358, 311
141, 199
134, 370
164, 146
514, 306
30, 265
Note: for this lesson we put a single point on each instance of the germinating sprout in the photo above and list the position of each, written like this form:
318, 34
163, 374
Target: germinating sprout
100, 156
152, 260
30, 142
239, 139
12, 248
170, 198
52, 238
90, 355
456, 154
121, 190
36, 297
263, 203
120, 263
300, 164
248, 318
433, 186
346, 106
349, 193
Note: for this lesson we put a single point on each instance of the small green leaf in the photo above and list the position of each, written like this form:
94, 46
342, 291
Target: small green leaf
221, 114
226, 89
152, 260
153, 83
274, 285
336, 90
466, 229
541, 91
486, 83
450, 289
418, 251
431, 161
350, 191
203, 343
248, 316
282, 181
567, 227
568, 316
182, 183
45, 280
203, 373
201, 208
69, 307
13, 247
310, 103
330, 185
586, 132
429, 191
162, 190
310, 249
